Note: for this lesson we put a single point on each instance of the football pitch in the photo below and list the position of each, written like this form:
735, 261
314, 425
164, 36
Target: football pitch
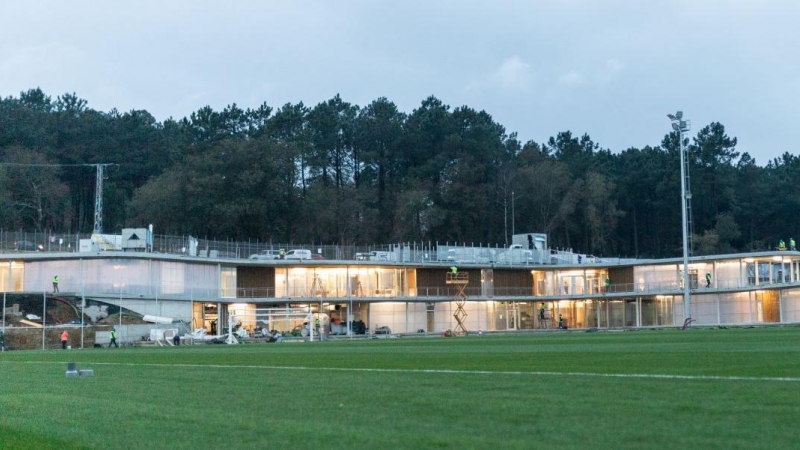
702, 388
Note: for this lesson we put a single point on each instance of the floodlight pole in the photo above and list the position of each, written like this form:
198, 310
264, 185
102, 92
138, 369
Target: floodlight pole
681, 126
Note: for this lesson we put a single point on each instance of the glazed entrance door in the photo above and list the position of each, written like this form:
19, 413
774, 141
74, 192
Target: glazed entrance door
616, 313
591, 314
574, 285
512, 316
430, 312
631, 313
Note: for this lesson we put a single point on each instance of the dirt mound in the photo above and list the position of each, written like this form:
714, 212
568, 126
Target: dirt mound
127, 319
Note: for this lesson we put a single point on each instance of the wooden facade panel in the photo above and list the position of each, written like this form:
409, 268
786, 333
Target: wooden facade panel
508, 278
431, 278
621, 275
513, 278
255, 281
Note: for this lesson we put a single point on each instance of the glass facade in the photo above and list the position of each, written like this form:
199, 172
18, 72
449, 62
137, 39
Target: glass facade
227, 282
655, 277
790, 305
12, 276
656, 311
127, 277
742, 290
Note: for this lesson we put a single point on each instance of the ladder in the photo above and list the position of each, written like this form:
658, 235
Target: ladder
316, 287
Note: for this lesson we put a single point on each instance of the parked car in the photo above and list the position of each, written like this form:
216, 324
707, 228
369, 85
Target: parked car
317, 256
266, 254
27, 246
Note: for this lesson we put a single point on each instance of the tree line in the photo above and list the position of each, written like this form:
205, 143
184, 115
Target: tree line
339, 173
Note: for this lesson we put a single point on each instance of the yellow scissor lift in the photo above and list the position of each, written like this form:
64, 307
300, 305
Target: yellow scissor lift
460, 280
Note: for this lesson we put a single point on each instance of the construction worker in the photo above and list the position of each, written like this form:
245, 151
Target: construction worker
607, 283
781, 245
64, 339
708, 279
541, 312
55, 284
281, 253
792, 245
560, 321
113, 336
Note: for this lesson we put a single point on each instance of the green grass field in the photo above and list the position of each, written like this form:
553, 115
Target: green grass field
703, 388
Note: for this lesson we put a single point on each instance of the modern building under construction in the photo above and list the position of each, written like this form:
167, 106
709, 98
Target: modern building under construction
413, 290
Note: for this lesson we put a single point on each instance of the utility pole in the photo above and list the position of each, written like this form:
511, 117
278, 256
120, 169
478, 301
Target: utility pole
98, 199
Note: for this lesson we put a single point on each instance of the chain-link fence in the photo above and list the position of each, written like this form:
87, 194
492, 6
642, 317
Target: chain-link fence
416, 252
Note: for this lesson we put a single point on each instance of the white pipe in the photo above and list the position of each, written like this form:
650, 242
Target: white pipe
157, 319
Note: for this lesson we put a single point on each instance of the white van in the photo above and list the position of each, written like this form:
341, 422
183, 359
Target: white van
266, 254
298, 254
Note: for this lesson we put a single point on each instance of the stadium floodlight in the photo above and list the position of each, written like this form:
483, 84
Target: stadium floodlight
681, 126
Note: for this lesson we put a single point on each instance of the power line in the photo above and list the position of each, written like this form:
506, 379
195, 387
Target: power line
98, 190
52, 165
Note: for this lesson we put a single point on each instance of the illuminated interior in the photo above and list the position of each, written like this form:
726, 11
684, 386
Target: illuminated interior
342, 282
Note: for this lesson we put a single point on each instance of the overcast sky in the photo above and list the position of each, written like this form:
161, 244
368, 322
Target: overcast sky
610, 68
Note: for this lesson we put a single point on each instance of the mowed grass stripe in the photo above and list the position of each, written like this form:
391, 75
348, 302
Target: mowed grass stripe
547, 390
440, 371
758, 353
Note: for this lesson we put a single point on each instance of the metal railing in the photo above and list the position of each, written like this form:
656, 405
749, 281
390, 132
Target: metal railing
417, 253
413, 253
422, 292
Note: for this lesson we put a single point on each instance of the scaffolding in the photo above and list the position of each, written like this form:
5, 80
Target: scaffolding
460, 280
